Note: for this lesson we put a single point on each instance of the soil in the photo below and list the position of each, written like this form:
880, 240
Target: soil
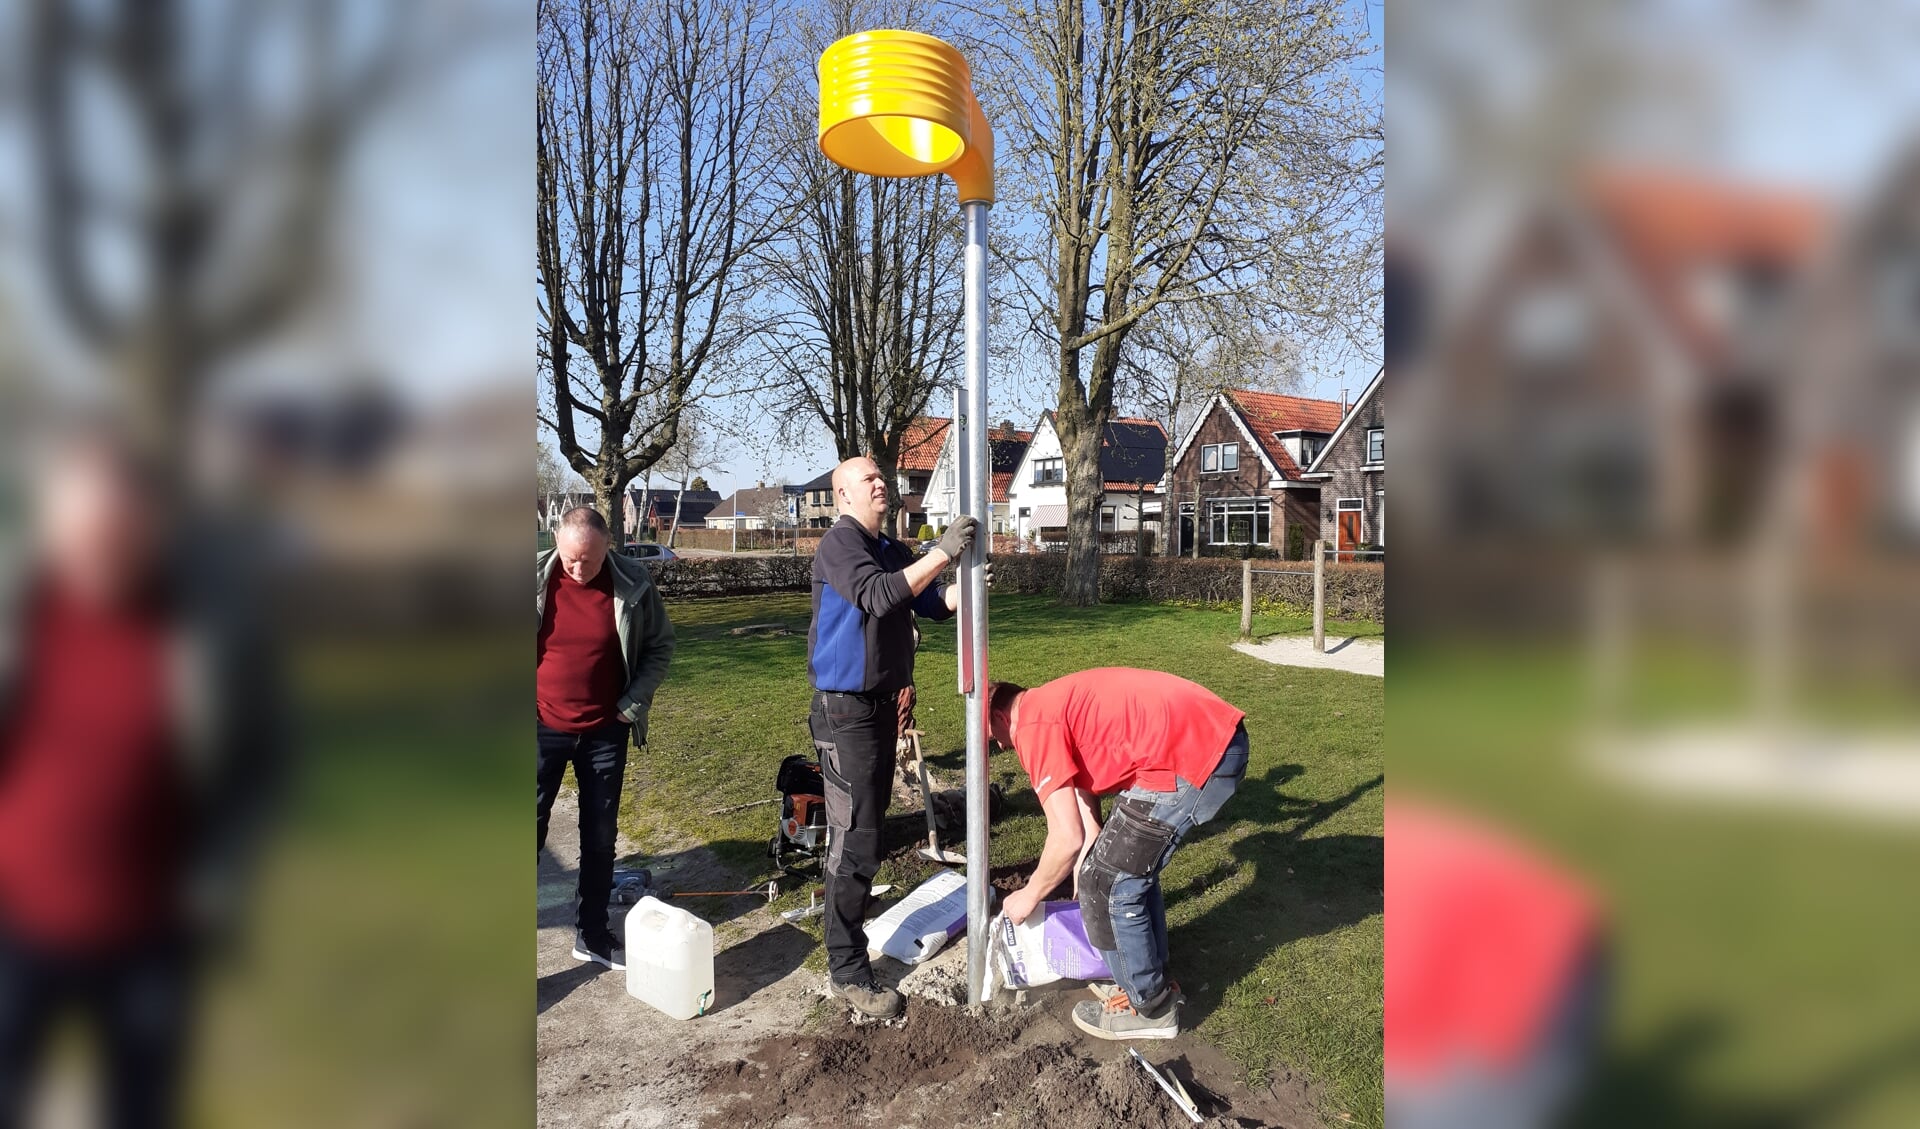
939, 1066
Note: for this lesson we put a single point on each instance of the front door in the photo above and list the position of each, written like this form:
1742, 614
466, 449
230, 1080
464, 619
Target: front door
1347, 530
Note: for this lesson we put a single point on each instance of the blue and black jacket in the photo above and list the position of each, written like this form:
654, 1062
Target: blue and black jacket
861, 640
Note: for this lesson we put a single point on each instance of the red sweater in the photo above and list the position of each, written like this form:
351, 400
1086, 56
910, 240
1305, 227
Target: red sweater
92, 801
579, 673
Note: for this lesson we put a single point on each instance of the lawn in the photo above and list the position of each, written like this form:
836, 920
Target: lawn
1764, 958
1274, 909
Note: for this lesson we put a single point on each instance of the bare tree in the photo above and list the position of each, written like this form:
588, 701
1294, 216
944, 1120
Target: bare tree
696, 449
865, 288
649, 170
199, 235
1178, 151
1178, 359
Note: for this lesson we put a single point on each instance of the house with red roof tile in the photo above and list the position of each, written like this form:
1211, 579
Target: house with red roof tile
1239, 480
1133, 458
1006, 445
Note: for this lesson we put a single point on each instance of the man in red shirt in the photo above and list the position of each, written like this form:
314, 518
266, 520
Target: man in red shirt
602, 650
1174, 752
137, 725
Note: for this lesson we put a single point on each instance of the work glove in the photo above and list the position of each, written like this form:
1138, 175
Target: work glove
958, 537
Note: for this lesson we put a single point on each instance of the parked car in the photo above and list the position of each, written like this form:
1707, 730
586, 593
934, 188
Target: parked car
649, 551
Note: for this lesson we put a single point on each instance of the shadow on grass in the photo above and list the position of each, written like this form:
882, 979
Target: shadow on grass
1650, 1084
1301, 887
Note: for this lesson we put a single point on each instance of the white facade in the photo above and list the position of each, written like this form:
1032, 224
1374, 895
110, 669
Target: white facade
1037, 497
943, 490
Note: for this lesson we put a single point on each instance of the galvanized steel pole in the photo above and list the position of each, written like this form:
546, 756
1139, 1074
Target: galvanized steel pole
973, 588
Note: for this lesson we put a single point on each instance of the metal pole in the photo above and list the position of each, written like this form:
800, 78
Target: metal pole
963, 504
973, 588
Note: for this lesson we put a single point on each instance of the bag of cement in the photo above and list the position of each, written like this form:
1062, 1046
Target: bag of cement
1051, 944
923, 922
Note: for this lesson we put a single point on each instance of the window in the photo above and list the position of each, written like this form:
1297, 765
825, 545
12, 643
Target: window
1048, 470
1210, 458
1239, 521
1216, 457
1106, 519
1376, 446
1309, 450
1229, 456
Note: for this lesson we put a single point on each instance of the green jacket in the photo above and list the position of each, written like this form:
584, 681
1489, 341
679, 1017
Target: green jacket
646, 635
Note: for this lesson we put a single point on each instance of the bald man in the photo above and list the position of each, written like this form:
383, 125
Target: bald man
867, 588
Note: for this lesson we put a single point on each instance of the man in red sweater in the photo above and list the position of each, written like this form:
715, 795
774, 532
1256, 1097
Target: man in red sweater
136, 727
602, 650
1174, 751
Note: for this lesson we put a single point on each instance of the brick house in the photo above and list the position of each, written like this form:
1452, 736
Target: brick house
919, 450
655, 508
757, 507
1614, 372
817, 509
1238, 476
1351, 471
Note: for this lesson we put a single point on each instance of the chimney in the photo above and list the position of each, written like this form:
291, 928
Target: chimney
1343, 402
1343, 399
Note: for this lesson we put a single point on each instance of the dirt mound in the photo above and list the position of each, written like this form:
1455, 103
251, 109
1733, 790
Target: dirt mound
942, 1066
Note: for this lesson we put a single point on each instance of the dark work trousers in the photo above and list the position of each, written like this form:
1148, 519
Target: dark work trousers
599, 760
855, 735
136, 1006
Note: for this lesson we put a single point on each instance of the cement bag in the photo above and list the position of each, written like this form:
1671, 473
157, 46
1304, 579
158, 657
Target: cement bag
1051, 944
923, 922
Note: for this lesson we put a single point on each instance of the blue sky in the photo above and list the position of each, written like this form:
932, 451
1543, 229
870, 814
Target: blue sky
1023, 399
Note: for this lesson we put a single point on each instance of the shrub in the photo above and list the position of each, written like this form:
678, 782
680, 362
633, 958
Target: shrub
926, 533
691, 577
1353, 591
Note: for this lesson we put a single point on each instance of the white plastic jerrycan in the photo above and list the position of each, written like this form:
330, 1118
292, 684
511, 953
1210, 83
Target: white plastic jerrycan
669, 958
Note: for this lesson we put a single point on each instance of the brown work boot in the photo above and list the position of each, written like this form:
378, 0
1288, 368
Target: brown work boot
869, 999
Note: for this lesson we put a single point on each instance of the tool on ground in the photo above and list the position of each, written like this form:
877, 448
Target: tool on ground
771, 890
815, 907
1179, 1096
933, 850
803, 810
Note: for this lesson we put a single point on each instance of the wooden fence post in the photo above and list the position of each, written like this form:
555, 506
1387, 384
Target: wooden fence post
1246, 600
1320, 595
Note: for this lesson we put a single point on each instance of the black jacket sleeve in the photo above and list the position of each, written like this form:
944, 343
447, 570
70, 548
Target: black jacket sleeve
847, 565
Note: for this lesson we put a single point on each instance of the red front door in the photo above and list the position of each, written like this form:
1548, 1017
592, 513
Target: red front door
1348, 534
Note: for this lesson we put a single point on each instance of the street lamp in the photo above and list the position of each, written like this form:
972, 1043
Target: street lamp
901, 104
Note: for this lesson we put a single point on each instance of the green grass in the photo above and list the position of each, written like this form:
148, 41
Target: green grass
1764, 959
1274, 909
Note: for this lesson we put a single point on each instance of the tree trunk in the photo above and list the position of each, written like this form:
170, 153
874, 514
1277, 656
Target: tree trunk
1080, 448
679, 500
608, 493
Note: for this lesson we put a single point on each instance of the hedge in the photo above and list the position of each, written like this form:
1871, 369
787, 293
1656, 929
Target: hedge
1354, 591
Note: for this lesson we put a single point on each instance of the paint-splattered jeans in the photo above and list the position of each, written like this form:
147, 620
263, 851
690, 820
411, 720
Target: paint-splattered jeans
1139, 916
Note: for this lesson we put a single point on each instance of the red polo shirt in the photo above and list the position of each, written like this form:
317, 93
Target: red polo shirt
579, 673
1484, 937
1115, 728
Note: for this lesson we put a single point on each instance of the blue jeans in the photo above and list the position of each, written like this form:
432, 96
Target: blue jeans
1138, 914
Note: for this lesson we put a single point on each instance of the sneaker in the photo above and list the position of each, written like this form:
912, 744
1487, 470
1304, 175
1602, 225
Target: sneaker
1104, 989
1116, 1019
869, 999
599, 950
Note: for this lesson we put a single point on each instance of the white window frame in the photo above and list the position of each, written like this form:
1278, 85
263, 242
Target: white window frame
1382, 433
1229, 457
1109, 519
1222, 511
1048, 472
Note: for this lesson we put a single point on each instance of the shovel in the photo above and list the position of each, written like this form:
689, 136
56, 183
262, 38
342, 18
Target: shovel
934, 851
